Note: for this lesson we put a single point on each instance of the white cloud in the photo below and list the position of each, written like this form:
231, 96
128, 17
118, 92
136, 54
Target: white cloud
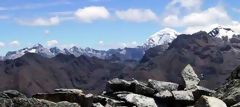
210, 16
134, 43
52, 43
101, 42
171, 20
137, 15
92, 13
15, 43
188, 4
2, 44
40, 21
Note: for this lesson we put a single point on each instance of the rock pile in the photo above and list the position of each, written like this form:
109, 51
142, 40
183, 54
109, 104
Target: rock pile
122, 93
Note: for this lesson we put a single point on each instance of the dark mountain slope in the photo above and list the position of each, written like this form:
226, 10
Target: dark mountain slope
212, 58
33, 73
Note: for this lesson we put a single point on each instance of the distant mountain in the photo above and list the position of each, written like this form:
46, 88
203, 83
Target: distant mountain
39, 49
223, 32
163, 37
212, 55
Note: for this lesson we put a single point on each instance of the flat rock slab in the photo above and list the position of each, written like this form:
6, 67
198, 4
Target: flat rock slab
183, 96
161, 85
141, 88
138, 100
164, 95
116, 84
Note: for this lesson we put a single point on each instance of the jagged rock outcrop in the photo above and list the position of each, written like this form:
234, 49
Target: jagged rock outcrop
206, 101
230, 92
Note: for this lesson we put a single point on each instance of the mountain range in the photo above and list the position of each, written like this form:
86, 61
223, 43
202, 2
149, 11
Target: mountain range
163, 37
213, 56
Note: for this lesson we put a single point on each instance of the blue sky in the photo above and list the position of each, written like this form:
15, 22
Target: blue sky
104, 24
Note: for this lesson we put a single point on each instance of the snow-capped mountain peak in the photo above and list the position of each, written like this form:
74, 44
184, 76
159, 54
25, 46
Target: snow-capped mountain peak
38, 48
162, 37
222, 32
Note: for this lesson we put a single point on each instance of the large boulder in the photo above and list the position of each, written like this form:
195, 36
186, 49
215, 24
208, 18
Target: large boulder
161, 85
116, 84
164, 95
142, 88
137, 100
183, 97
190, 78
206, 101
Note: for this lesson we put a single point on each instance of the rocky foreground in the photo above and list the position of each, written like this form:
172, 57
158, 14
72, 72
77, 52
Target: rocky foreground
122, 93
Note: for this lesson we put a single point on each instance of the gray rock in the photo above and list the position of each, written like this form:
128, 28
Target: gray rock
229, 92
14, 94
109, 102
32, 102
138, 100
141, 88
185, 96
3, 95
190, 78
235, 74
236, 105
6, 102
116, 84
164, 95
206, 101
161, 86
97, 105
66, 104
73, 96
199, 91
